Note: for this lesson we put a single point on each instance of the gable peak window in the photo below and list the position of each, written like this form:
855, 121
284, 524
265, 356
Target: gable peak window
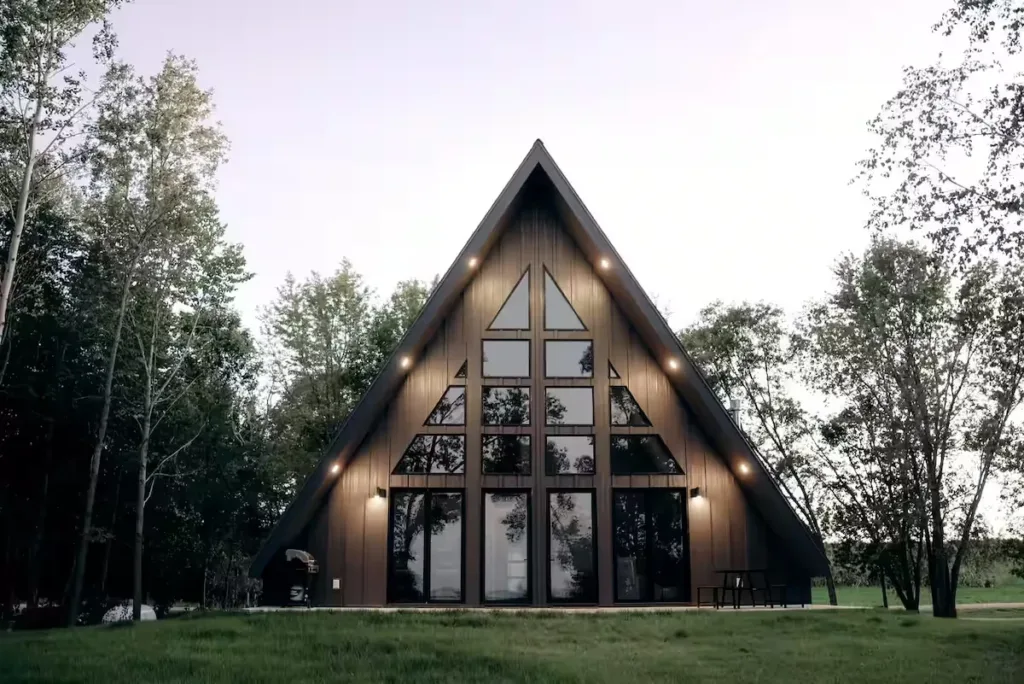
514, 313
558, 312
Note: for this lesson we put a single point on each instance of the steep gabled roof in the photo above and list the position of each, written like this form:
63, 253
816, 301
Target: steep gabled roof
538, 172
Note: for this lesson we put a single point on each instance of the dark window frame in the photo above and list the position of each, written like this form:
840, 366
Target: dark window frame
593, 442
484, 436
593, 417
529, 357
594, 543
394, 471
645, 435
528, 600
529, 406
544, 313
428, 493
444, 394
687, 561
529, 304
568, 377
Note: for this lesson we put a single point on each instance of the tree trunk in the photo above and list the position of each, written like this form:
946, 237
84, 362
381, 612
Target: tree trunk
227, 583
110, 539
97, 453
885, 594
40, 531
206, 572
140, 510
19, 218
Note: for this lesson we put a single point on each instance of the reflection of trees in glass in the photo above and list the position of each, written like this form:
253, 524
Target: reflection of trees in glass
569, 405
433, 454
569, 358
629, 520
633, 454
451, 409
650, 545
572, 546
515, 520
586, 361
407, 546
409, 513
569, 454
508, 454
445, 576
506, 406
625, 410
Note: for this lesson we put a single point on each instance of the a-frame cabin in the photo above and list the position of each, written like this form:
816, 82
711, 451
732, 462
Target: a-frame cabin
539, 437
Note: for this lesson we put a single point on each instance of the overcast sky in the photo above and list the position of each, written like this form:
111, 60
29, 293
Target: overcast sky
713, 141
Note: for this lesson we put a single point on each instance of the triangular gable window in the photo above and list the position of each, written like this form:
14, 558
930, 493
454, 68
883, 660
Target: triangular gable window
433, 454
514, 314
625, 410
612, 373
461, 373
450, 409
558, 312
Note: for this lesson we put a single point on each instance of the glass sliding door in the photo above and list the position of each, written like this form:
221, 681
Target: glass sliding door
506, 547
425, 546
650, 539
572, 567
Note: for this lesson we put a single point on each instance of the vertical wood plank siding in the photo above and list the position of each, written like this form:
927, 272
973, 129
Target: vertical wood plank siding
349, 534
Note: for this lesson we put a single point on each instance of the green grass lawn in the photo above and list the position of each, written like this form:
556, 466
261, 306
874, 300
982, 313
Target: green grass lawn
793, 647
872, 596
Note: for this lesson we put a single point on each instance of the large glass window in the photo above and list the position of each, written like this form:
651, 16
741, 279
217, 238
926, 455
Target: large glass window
651, 555
425, 560
515, 312
625, 410
558, 312
572, 573
506, 406
433, 454
451, 409
506, 358
640, 454
569, 455
506, 559
569, 358
570, 405
506, 454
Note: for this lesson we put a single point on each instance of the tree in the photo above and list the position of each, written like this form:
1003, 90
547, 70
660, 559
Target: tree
929, 369
40, 103
747, 353
950, 143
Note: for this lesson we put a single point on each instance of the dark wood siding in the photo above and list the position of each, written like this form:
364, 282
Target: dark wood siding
351, 528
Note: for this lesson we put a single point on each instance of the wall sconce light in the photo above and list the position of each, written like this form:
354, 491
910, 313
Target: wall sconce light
695, 493
382, 493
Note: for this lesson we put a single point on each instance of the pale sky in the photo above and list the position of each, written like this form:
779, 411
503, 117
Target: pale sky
712, 141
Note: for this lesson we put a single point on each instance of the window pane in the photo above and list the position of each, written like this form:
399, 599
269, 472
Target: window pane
669, 577
569, 358
506, 358
515, 312
570, 405
506, 454
451, 409
434, 454
571, 547
630, 521
634, 454
625, 410
446, 547
569, 455
506, 547
506, 406
407, 546
558, 312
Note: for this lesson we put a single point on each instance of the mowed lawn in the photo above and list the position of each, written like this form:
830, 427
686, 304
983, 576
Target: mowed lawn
813, 646
1012, 592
